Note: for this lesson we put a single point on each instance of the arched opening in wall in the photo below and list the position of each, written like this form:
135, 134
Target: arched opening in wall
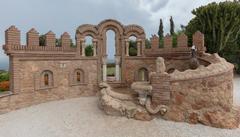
47, 79
78, 76
89, 46
132, 46
142, 74
111, 52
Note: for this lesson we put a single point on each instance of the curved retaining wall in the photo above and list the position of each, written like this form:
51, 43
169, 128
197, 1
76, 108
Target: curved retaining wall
204, 95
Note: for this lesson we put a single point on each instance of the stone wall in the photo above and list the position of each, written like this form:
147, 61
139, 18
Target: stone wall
29, 77
204, 95
133, 64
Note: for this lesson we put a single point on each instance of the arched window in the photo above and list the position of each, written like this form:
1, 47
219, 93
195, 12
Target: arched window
132, 46
143, 74
78, 76
89, 46
47, 78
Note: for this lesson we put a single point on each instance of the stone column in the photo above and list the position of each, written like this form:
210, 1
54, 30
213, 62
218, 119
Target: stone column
104, 67
83, 46
127, 47
94, 47
117, 68
138, 47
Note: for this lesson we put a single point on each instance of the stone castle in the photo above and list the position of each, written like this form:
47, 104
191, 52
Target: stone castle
44, 73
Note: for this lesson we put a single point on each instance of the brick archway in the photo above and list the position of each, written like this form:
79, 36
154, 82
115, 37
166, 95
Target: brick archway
122, 34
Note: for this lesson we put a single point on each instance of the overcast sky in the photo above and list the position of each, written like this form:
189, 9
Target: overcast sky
66, 15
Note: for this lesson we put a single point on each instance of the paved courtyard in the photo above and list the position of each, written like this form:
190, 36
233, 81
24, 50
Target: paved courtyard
81, 117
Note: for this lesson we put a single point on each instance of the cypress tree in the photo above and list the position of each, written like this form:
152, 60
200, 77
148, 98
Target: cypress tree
160, 30
160, 34
171, 26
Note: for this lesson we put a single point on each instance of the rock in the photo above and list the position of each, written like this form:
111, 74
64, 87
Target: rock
116, 106
179, 99
221, 119
193, 118
143, 116
175, 115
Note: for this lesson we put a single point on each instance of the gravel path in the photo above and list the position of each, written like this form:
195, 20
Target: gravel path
81, 117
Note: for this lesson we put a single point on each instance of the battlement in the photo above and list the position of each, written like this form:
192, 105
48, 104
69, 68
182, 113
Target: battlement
181, 44
34, 43
13, 41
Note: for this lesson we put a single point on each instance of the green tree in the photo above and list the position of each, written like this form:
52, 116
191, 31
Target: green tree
161, 34
132, 48
172, 26
147, 44
42, 40
4, 76
160, 29
220, 24
172, 32
89, 50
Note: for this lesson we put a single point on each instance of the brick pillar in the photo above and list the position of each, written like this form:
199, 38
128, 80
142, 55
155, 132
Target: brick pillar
12, 36
65, 40
161, 88
160, 81
182, 40
32, 38
198, 41
50, 39
167, 41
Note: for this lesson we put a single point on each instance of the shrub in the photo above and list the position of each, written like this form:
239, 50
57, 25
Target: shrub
89, 50
4, 76
4, 86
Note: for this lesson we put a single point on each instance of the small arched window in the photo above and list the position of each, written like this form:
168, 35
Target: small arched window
143, 74
78, 76
132, 46
47, 79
